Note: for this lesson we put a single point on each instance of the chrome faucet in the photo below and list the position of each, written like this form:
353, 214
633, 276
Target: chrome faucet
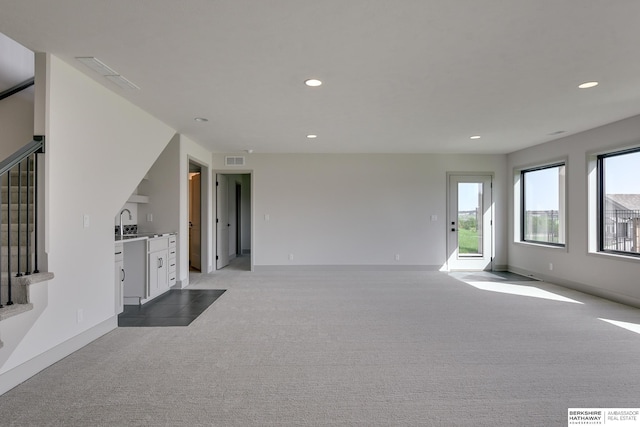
130, 217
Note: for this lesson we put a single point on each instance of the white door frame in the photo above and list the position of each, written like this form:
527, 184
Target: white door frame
205, 197
252, 202
222, 222
472, 262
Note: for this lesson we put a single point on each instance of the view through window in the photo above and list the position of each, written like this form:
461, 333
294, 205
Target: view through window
619, 201
470, 211
543, 215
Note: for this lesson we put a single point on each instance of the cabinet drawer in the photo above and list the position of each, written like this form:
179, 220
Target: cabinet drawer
172, 267
172, 279
158, 244
172, 253
172, 241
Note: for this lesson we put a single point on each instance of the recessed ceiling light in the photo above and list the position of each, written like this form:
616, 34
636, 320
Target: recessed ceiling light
475, 137
312, 136
587, 85
313, 82
201, 119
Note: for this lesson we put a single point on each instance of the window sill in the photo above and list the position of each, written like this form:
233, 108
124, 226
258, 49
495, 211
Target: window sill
542, 245
618, 257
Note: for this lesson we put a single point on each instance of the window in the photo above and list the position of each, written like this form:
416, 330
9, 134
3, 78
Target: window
619, 202
543, 204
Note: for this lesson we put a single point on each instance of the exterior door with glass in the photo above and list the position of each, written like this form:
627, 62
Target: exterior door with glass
470, 223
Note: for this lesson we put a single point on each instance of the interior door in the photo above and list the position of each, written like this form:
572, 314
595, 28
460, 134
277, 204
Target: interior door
195, 232
222, 222
470, 223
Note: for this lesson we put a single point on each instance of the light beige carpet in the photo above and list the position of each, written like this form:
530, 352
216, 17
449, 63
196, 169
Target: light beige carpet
348, 349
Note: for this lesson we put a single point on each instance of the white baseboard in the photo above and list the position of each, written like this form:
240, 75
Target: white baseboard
23, 372
346, 267
587, 289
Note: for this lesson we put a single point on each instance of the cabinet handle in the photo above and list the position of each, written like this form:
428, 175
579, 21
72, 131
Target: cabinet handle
118, 253
123, 274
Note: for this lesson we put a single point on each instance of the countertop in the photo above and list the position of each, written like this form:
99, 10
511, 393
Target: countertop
140, 236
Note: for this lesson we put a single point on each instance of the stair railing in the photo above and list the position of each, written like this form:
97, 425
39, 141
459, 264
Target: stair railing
26, 156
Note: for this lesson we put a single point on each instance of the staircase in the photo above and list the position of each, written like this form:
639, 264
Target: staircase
18, 246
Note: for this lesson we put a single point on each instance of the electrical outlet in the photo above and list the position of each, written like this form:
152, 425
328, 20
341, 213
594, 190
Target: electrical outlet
434, 217
550, 266
397, 257
86, 221
149, 217
80, 315
290, 257
266, 217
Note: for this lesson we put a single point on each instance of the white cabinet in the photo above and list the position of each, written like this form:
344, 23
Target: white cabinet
145, 268
119, 278
158, 279
135, 271
162, 263
172, 260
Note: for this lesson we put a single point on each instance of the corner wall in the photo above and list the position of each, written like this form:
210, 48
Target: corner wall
16, 122
99, 147
615, 278
190, 151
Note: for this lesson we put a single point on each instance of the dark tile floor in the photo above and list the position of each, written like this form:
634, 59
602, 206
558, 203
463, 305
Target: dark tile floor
174, 308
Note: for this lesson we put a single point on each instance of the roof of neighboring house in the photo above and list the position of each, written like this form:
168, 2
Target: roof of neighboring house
626, 201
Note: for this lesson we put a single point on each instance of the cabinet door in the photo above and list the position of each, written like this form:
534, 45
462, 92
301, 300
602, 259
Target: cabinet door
119, 286
158, 270
163, 271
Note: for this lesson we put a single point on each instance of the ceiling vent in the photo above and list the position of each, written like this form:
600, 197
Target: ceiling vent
234, 161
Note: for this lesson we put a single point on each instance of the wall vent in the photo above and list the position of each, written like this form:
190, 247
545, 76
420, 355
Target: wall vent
234, 161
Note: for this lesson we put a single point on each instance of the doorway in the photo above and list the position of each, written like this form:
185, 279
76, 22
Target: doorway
233, 221
195, 217
470, 222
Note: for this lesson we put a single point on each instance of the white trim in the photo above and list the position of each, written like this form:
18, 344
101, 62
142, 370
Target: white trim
23, 372
347, 267
581, 287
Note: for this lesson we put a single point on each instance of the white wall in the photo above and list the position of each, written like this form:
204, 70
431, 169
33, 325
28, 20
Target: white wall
358, 209
162, 186
98, 149
574, 266
190, 151
16, 122
168, 189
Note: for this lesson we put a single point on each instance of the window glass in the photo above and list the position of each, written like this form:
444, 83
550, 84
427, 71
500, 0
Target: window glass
470, 211
543, 215
619, 201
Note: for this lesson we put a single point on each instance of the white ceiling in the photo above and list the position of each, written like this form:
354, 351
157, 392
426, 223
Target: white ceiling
407, 76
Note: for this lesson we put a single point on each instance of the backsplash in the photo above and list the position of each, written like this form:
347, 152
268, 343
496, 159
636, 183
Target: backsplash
127, 229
